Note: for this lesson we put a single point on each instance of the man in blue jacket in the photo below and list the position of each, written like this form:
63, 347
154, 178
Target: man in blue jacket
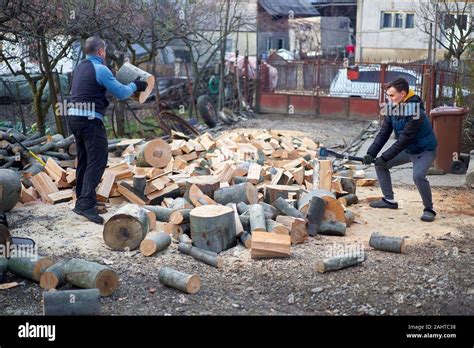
86, 109
416, 143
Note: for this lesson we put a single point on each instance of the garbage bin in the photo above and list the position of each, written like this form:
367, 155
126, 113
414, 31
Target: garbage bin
447, 126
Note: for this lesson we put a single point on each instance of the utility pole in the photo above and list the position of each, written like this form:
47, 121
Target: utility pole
430, 45
435, 43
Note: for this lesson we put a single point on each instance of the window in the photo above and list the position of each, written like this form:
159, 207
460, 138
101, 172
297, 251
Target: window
281, 43
386, 20
410, 20
268, 45
398, 20
458, 21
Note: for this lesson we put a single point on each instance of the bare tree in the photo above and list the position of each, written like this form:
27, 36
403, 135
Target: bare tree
449, 23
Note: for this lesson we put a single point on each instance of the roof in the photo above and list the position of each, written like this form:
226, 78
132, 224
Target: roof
283, 7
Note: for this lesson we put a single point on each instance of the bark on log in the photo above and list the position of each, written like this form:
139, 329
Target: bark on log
213, 227
339, 262
10, 189
53, 276
139, 183
162, 214
276, 227
90, 275
303, 202
59, 155
155, 153
178, 217
71, 302
350, 217
181, 203
246, 239
245, 192
349, 199
184, 238
188, 283
201, 255
31, 267
387, 243
315, 214
332, 228
129, 73
286, 209
257, 218
273, 192
348, 185
154, 243
207, 184
126, 228
29, 171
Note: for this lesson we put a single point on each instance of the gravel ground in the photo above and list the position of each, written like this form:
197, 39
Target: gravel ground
434, 277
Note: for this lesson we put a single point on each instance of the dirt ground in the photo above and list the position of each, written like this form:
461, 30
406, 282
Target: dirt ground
434, 277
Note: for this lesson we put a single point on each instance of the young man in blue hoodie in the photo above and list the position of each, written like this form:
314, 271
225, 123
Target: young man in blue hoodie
87, 105
416, 143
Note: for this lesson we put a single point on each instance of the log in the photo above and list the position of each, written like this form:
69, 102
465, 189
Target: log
334, 210
245, 221
257, 218
162, 214
178, 217
132, 194
387, 243
208, 184
188, 283
30, 171
332, 228
155, 153
10, 189
350, 217
303, 202
154, 243
201, 255
339, 262
315, 214
91, 275
213, 227
31, 267
53, 276
3, 268
197, 197
71, 302
270, 211
267, 245
349, 199
273, 192
276, 227
244, 192
286, 209
58, 155
5, 236
246, 239
129, 73
296, 226
181, 203
126, 228
184, 238
139, 183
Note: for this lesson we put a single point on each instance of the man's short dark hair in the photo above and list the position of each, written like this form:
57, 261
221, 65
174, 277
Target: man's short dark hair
93, 44
400, 84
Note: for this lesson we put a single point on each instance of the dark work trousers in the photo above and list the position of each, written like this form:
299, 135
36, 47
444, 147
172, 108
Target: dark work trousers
92, 152
421, 163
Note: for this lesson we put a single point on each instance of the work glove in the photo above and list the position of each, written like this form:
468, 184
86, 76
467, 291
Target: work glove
380, 162
368, 159
141, 85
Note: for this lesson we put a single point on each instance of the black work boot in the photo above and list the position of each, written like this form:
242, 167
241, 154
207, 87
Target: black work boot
428, 215
383, 203
90, 214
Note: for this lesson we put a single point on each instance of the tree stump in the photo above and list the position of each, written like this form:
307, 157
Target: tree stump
244, 192
339, 262
126, 228
31, 267
387, 243
91, 275
188, 283
10, 189
213, 227
205, 256
155, 153
53, 276
154, 243
71, 302
129, 73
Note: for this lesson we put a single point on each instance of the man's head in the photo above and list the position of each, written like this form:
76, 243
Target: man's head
397, 90
95, 46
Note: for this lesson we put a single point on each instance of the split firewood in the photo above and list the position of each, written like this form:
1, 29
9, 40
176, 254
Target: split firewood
188, 283
387, 243
205, 256
71, 302
296, 226
269, 245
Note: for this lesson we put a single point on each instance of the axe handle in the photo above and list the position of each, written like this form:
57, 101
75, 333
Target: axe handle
340, 155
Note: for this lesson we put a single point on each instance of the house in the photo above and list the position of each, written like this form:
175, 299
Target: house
337, 8
390, 30
272, 22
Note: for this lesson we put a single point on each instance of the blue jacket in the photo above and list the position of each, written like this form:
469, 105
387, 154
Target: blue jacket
413, 131
91, 80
